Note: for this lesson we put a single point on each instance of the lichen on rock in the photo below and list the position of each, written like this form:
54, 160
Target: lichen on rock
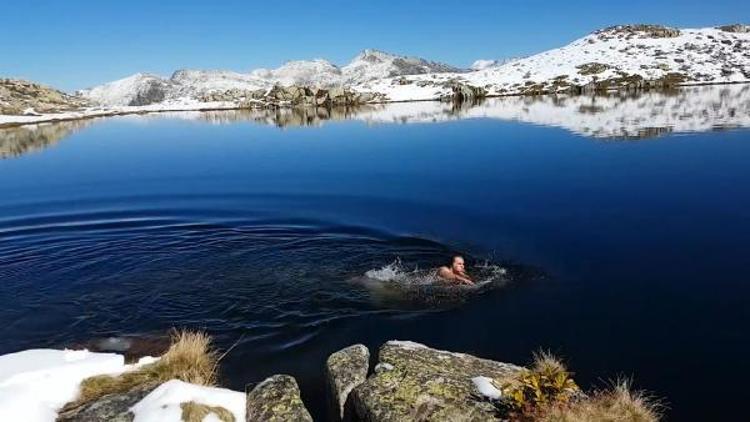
345, 370
424, 384
276, 399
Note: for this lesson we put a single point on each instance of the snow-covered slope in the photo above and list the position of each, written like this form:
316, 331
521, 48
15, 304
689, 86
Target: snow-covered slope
619, 55
127, 91
317, 73
483, 64
144, 89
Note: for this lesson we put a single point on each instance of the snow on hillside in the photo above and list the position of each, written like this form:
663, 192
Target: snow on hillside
707, 55
375, 64
124, 91
316, 73
616, 57
482, 64
144, 89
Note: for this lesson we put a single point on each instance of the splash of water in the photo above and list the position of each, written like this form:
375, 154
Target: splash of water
397, 272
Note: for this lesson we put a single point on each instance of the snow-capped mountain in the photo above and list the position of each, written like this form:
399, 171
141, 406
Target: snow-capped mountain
143, 89
620, 57
316, 72
128, 91
375, 64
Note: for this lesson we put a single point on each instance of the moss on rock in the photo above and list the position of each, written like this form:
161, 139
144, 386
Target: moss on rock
418, 383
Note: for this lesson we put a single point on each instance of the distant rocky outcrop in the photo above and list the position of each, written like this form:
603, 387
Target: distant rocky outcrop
18, 97
639, 31
293, 96
736, 28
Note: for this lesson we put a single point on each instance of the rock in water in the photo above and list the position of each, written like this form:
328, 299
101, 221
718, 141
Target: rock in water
276, 399
345, 370
417, 383
112, 407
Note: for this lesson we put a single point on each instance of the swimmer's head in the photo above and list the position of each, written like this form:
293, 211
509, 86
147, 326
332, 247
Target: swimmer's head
457, 264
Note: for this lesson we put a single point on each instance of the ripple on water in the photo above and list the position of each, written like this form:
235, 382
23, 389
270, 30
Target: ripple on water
278, 282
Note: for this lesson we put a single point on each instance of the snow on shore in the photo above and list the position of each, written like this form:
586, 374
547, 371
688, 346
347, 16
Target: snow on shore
163, 404
35, 383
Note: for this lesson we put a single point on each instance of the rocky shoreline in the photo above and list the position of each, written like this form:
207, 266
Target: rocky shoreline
409, 382
295, 97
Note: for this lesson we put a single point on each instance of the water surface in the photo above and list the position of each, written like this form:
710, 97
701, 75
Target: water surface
613, 231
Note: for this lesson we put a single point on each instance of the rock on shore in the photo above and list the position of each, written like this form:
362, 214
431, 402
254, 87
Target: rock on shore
276, 399
345, 370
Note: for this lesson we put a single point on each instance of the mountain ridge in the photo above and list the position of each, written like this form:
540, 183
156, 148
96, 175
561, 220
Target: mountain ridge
621, 57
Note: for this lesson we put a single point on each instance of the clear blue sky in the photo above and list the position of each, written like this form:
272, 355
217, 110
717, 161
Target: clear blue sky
74, 44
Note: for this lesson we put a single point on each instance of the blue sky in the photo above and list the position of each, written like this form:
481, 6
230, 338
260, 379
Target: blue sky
73, 44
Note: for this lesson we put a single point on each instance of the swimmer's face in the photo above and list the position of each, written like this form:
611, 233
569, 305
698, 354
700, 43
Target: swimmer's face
458, 265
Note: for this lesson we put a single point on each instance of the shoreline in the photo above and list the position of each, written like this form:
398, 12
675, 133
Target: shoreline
8, 121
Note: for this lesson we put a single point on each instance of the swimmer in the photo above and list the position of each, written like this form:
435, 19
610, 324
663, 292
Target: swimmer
456, 272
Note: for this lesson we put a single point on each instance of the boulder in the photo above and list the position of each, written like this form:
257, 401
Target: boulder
112, 407
736, 28
413, 382
276, 399
345, 370
464, 92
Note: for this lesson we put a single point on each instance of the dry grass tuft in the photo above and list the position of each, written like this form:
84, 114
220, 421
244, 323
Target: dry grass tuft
547, 382
190, 358
196, 412
546, 363
616, 404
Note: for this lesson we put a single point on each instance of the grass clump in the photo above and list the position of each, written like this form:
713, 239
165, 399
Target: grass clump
190, 358
617, 404
546, 392
196, 412
546, 382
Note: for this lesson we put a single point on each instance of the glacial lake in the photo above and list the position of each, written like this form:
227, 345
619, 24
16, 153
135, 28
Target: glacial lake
621, 224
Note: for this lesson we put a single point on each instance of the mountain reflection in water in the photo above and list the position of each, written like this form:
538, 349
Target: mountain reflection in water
618, 116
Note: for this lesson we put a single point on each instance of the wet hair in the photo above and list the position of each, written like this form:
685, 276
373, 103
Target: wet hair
453, 259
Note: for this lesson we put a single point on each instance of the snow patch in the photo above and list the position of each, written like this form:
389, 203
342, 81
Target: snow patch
486, 387
35, 384
163, 404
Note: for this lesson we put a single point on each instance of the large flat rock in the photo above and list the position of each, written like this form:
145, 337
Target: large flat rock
413, 382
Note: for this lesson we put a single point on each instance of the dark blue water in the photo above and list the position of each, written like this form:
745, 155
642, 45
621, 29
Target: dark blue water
626, 257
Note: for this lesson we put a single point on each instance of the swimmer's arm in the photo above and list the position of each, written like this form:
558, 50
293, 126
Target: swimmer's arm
465, 279
446, 273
